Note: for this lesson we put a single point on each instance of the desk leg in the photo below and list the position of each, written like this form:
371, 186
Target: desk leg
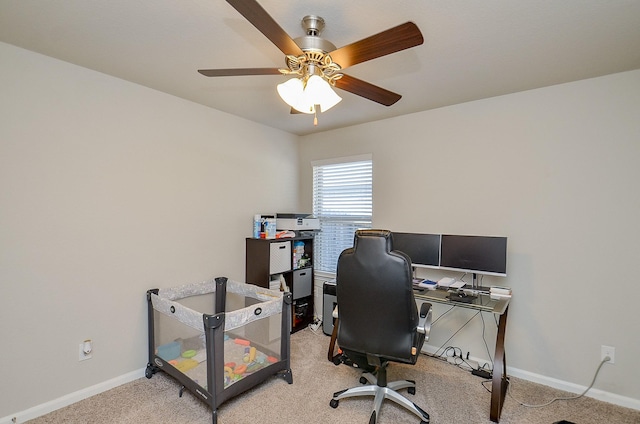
499, 383
332, 343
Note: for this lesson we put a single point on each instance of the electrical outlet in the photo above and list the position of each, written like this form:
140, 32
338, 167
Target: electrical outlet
608, 351
83, 356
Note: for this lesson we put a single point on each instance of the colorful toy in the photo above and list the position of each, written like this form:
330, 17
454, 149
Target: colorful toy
186, 365
240, 369
254, 366
189, 353
169, 351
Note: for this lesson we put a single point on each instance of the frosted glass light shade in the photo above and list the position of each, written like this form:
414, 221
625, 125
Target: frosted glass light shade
319, 92
304, 98
291, 91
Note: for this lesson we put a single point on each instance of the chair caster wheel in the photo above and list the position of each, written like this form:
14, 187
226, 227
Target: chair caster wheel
411, 390
363, 380
149, 371
334, 403
372, 420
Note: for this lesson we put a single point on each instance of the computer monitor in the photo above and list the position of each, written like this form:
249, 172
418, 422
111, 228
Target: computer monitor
423, 249
476, 254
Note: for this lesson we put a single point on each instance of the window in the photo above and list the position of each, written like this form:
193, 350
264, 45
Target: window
342, 201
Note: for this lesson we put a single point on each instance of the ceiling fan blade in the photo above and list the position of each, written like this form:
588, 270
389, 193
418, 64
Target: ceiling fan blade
367, 90
259, 18
239, 72
386, 42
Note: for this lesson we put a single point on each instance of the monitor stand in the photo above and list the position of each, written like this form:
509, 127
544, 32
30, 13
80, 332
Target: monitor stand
475, 286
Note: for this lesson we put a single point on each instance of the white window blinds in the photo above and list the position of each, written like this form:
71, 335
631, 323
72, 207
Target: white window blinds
342, 200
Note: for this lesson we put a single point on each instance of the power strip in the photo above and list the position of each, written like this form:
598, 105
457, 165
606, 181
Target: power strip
482, 373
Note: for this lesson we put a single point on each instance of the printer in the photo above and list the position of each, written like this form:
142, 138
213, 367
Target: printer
296, 222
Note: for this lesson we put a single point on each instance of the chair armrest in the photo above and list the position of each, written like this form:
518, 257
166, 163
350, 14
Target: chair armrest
424, 323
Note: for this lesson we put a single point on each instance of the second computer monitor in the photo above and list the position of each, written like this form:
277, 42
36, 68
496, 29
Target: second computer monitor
423, 249
476, 254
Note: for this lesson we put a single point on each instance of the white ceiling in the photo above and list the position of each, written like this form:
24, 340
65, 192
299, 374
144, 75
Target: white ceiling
473, 49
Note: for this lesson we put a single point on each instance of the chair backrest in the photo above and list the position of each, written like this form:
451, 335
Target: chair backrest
377, 310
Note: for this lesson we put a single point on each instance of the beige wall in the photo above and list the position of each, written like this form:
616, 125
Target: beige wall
108, 189
556, 170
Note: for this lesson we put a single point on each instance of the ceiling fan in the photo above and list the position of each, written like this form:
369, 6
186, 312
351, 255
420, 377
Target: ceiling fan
317, 64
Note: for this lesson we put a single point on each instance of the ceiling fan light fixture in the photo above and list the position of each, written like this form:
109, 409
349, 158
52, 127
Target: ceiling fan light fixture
304, 97
311, 55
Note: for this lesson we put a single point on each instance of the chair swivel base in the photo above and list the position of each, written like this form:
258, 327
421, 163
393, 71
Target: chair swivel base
380, 394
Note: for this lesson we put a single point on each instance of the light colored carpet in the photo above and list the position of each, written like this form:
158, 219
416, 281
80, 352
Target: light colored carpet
449, 394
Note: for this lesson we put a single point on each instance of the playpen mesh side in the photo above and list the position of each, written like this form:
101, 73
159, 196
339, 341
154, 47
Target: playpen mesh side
166, 303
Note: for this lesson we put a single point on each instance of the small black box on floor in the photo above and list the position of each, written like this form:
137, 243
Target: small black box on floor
329, 302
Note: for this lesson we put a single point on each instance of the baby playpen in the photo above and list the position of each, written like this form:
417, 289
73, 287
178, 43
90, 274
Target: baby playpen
219, 338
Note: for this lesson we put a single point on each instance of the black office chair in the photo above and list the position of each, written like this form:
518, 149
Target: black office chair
378, 320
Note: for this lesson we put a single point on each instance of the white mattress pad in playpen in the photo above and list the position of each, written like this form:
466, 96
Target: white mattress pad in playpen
166, 303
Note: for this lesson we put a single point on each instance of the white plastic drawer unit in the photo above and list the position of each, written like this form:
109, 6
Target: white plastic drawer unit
279, 257
302, 283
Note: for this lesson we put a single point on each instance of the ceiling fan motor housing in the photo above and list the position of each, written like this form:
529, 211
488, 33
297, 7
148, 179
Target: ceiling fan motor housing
313, 26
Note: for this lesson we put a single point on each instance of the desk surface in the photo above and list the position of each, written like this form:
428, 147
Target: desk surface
483, 302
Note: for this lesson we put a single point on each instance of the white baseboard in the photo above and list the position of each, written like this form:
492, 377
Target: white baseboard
598, 394
45, 408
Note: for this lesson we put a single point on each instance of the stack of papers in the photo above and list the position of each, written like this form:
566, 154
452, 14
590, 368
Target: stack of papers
451, 283
500, 292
